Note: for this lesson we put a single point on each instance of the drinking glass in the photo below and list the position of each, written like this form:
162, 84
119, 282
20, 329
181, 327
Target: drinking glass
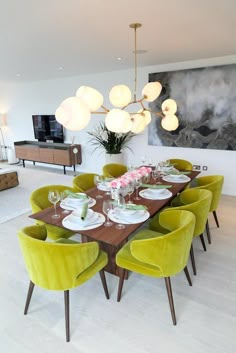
130, 190
137, 184
97, 180
63, 196
106, 207
54, 197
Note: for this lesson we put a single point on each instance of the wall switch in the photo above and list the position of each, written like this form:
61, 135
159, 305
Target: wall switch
196, 167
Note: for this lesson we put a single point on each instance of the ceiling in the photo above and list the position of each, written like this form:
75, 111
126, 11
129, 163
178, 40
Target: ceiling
58, 38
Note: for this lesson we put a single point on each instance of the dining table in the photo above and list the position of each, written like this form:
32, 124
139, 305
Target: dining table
112, 239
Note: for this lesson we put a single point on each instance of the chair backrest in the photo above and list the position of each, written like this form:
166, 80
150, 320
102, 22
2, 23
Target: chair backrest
39, 197
54, 266
181, 164
114, 170
198, 202
83, 182
213, 183
169, 252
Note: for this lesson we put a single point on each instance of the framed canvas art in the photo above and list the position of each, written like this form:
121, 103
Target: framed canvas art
206, 99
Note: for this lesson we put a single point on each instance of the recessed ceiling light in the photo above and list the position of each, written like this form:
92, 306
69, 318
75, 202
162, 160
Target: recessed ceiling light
119, 58
60, 68
18, 75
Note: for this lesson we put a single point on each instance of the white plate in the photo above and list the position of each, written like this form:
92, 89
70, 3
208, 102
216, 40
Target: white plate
128, 214
131, 220
171, 179
105, 186
76, 215
168, 168
71, 207
93, 223
148, 194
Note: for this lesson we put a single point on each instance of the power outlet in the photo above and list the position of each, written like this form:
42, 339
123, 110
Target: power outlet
196, 167
204, 167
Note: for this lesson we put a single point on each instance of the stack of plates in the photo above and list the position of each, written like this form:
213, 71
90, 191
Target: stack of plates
71, 203
92, 220
125, 216
155, 194
176, 178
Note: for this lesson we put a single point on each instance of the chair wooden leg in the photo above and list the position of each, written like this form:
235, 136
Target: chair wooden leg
121, 282
193, 260
208, 232
170, 297
67, 314
216, 219
187, 276
203, 242
29, 295
104, 283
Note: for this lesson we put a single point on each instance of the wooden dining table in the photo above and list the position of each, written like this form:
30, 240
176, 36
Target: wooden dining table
112, 239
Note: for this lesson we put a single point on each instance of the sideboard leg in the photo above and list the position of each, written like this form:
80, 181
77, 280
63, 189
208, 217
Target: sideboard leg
64, 169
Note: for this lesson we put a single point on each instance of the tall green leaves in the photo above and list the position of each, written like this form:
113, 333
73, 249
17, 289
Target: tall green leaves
112, 142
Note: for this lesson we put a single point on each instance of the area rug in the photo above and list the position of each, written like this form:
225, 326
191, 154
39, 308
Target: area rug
15, 201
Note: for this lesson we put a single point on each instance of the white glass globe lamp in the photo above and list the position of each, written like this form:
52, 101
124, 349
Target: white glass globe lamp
120, 96
151, 91
170, 122
91, 97
118, 121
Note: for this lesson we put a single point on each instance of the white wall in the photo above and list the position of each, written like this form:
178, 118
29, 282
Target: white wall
22, 100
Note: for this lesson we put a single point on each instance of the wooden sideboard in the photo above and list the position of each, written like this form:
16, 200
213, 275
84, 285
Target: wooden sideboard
52, 153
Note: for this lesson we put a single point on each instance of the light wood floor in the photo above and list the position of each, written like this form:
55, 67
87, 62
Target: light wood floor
141, 322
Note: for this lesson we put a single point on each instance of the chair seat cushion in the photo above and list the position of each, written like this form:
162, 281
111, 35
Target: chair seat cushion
125, 259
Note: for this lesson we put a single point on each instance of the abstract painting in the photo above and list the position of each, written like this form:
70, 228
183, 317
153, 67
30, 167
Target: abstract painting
206, 99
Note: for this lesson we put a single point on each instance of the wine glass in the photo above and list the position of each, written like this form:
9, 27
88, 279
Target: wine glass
155, 175
143, 160
120, 207
150, 163
97, 180
130, 190
54, 197
63, 196
138, 183
106, 207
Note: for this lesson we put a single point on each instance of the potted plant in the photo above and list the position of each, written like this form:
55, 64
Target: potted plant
112, 142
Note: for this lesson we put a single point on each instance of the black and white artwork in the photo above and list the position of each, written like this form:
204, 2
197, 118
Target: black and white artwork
206, 99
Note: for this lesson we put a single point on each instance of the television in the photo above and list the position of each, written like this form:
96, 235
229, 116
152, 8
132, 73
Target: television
46, 128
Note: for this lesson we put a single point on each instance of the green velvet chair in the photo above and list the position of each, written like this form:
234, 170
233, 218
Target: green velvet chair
181, 164
196, 201
60, 265
113, 170
159, 255
83, 182
39, 201
213, 183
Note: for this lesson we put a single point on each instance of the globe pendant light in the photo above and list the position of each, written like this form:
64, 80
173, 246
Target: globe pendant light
74, 112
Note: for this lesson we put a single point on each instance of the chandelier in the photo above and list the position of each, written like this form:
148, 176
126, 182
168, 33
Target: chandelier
74, 113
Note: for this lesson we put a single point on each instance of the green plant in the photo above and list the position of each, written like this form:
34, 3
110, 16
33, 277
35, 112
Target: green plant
112, 142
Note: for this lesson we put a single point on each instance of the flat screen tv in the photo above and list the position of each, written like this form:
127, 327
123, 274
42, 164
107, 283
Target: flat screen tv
46, 128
